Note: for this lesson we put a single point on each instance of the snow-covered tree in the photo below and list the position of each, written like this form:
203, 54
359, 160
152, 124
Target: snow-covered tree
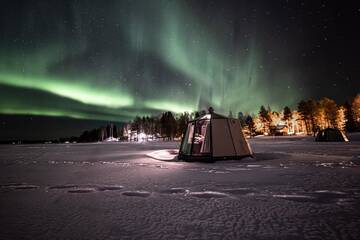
356, 107
340, 118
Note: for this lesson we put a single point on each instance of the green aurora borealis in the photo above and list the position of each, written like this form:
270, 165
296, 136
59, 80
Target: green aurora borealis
115, 60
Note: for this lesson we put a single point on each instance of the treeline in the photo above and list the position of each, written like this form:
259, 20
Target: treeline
100, 134
166, 126
326, 113
95, 135
309, 117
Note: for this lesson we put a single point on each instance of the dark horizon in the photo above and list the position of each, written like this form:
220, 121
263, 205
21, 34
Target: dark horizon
44, 128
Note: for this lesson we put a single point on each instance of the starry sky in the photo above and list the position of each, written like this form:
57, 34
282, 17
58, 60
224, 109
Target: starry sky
102, 61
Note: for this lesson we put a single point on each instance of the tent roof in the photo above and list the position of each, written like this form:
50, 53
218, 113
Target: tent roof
209, 116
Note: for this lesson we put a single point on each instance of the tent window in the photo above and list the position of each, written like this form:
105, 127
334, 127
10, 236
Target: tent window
202, 137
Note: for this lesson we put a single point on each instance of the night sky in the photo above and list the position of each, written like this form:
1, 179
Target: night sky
101, 61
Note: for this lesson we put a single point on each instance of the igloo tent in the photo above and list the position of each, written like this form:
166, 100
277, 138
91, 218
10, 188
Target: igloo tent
331, 135
213, 137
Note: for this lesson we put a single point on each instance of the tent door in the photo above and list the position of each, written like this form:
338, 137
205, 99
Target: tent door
202, 138
187, 140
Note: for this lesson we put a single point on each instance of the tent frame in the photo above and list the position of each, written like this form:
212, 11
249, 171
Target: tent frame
207, 157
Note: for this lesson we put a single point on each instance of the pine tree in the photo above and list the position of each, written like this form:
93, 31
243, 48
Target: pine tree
251, 125
264, 118
168, 125
287, 115
350, 124
307, 110
182, 121
242, 119
329, 108
340, 118
356, 108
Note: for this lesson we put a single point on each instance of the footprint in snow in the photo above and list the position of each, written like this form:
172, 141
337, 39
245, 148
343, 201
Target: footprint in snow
174, 190
82, 190
296, 197
86, 188
327, 196
110, 188
320, 196
19, 186
136, 193
66, 186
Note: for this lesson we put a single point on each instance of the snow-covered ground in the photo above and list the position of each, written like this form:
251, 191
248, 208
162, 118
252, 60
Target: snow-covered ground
294, 189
